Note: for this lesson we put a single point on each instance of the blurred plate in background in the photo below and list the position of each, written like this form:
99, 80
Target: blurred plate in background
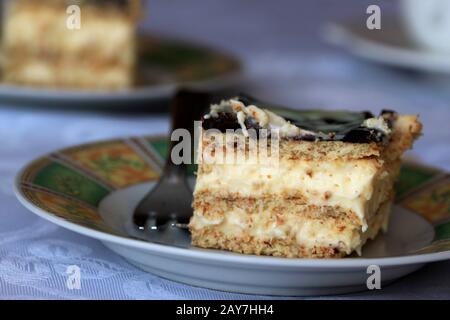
390, 46
164, 64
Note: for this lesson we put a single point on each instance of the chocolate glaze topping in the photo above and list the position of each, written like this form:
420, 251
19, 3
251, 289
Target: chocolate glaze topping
227, 120
326, 125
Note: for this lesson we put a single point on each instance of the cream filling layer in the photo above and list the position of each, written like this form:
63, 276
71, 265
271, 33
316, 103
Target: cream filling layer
307, 232
350, 185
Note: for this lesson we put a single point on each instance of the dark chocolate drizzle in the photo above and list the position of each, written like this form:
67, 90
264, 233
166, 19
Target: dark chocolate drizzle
326, 125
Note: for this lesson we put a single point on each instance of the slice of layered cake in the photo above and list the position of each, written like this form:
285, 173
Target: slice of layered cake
41, 49
326, 190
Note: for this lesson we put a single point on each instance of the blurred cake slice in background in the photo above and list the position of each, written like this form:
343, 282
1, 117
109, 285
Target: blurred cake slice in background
40, 50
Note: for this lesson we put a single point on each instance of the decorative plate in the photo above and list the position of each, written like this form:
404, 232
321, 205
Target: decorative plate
92, 189
164, 64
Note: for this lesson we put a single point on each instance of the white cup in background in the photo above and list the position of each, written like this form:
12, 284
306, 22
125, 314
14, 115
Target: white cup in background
428, 23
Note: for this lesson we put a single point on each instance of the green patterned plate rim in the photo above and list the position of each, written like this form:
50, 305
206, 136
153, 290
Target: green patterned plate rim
69, 184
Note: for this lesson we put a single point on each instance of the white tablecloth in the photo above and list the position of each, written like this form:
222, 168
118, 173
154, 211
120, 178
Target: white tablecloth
285, 62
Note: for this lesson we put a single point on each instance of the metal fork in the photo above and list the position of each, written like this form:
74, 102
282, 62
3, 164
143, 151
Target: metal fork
169, 202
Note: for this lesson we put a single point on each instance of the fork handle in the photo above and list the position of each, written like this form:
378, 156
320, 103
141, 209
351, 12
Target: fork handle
186, 107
